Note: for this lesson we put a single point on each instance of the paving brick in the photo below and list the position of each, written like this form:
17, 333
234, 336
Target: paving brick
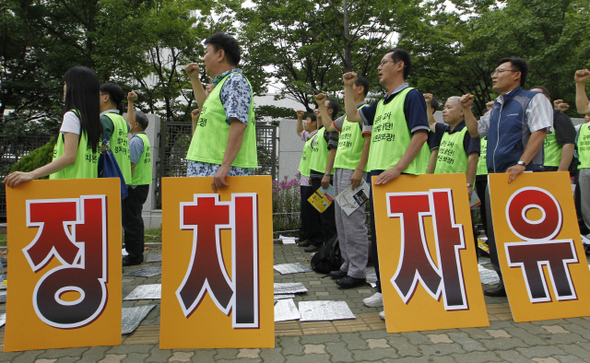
439, 338
230, 353
338, 352
468, 344
316, 339
416, 338
291, 346
112, 358
378, 343
441, 349
477, 357
249, 353
61, 360
312, 358
498, 333
272, 355
204, 356
576, 350
578, 329
526, 337
314, 349
354, 341
545, 360
503, 343
570, 359
512, 356
555, 329
374, 354
27, 357
128, 349
541, 352
403, 347
45, 360
94, 354
135, 358
59, 353
476, 333
407, 360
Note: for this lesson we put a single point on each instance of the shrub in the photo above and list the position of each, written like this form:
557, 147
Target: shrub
37, 158
286, 201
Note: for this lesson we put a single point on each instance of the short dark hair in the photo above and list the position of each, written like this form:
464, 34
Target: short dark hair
116, 94
402, 55
142, 120
229, 45
362, 81
544, 90
333, 105
434, 104
312, 117
518, 64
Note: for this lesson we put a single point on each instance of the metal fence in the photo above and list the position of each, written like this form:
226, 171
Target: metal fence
11, 151
175, 138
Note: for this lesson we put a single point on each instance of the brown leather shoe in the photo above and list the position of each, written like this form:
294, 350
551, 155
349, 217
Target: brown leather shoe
304, 243
499, 291
311, 248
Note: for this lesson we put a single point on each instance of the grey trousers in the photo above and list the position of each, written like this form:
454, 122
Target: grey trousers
584, 182
352, 232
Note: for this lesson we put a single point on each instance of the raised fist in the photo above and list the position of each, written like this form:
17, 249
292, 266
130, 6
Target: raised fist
192, 70
195, 114
466, 100
320, 98
427, 98
581, 75
349, 78
300, 113
131, 96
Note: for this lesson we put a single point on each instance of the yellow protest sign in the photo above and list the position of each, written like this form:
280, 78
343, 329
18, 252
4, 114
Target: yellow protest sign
539, 247
427, 259
217, 276
64, 240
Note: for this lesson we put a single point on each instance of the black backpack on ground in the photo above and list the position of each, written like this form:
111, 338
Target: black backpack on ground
328, 258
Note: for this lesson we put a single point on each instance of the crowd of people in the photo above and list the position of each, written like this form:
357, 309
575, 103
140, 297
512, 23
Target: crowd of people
398, 135
393, 136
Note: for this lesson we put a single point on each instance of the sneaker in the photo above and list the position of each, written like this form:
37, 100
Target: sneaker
382, 315
375, 301
348, 282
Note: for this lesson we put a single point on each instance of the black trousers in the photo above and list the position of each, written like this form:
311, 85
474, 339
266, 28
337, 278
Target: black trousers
322, 226
133, 222
306, 212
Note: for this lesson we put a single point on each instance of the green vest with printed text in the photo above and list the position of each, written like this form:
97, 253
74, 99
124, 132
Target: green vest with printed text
452, 157
482, 166
551, 150
584, 147
319, 153
86, 165
350, 145
142, 174
391, 137
306, 156
209, 141
120, 144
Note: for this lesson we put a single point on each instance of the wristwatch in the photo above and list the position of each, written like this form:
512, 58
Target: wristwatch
469, 185
521, 163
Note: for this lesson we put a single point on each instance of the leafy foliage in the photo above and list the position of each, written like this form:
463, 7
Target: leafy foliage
37, 158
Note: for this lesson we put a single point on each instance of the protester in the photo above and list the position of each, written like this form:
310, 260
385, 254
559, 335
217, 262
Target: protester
115, 128
582, 103
224, 143
321, 165
350, 171
431, 107
526, 118
558, 148
141, 177
401, 112
75, 155
306, 130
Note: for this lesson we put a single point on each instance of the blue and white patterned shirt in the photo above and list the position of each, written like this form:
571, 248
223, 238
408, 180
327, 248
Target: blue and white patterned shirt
236, 95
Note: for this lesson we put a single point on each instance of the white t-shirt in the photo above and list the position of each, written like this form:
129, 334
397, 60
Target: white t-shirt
70, 123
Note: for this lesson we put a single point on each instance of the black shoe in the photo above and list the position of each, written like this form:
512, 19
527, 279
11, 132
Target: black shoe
338, 274
496, 292
305, 243
348, 282
312, 248
128, 261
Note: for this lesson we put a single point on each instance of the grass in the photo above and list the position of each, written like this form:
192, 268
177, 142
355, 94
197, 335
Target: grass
153, 235
2, 240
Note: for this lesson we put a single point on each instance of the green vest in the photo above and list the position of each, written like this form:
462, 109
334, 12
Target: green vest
210, 139
350, 145
391, 137
452, 157
86, 165
142, 174
306, 156
584, 147
320, 153
482, 166
551, 150
120, 144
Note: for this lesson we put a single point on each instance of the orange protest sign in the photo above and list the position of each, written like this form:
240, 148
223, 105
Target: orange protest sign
64, 240
539, 247
217, 276
427, 259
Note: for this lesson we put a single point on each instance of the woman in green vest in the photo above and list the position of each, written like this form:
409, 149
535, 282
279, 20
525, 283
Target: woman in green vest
76, 152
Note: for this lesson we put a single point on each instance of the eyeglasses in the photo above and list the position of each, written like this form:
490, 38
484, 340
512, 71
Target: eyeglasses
502, 70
